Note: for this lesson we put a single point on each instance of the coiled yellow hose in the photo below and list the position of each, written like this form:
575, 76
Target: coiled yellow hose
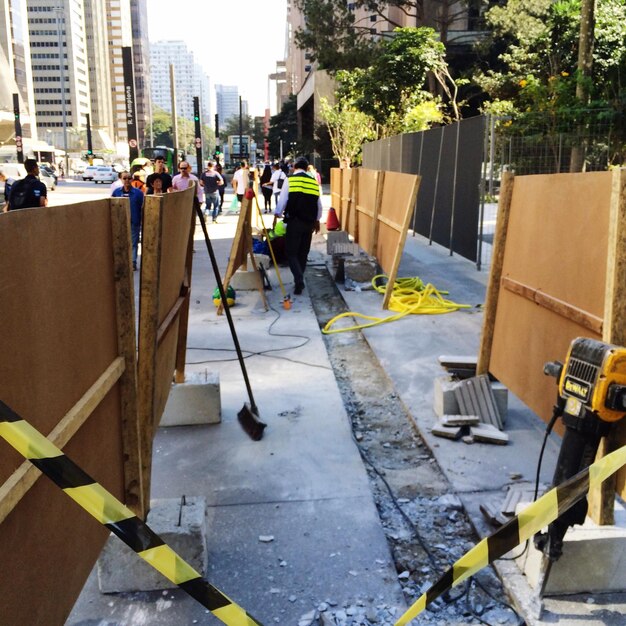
410, 296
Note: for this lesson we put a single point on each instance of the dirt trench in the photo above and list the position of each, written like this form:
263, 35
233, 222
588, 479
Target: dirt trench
425, 523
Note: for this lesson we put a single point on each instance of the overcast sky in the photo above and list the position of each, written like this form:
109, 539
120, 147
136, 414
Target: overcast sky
237, 42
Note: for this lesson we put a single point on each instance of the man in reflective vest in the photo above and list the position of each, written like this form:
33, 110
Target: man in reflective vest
301, 207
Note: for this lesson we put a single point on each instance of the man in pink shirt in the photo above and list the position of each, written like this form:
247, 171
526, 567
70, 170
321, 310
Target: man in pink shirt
185, 179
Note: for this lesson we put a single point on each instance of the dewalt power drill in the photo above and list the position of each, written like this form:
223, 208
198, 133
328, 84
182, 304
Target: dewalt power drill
591, 397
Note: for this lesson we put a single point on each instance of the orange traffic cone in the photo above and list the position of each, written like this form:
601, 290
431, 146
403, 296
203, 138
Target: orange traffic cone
332, 223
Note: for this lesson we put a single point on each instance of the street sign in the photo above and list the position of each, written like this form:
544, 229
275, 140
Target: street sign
198, 142
132, 143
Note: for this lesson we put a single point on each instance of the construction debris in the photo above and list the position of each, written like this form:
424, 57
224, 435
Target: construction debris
475, 397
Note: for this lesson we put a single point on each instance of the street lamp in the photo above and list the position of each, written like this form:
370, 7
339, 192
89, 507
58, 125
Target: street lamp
59, 12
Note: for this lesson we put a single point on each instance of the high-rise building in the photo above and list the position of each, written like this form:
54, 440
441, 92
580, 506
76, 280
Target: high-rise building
141, 61
60, 69
119, 36
102, 129
203, 86
162, 55
15, 44
227, 102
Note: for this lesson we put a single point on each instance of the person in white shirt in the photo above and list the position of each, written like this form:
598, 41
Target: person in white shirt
116, 184
277, 180
240, 180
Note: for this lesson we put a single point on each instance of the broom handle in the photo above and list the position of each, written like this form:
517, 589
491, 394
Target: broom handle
220, 286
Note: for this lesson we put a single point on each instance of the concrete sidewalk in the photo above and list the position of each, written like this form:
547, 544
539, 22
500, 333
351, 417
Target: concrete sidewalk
304, 484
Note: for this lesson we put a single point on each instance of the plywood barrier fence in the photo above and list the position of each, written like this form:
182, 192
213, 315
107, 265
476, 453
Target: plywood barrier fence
375, 210
166, 259
68, 365
559, 272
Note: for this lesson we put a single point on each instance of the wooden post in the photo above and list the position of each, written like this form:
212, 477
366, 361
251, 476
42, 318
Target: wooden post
127, 349
380, 182
497, 260
354, 201
602, 500
148, 329
183, 320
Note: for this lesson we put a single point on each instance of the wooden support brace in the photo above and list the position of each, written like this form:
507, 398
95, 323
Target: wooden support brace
25, 476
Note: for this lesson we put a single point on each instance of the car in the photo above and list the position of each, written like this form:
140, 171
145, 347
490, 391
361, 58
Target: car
89, 172
47, 180
105, 174
13, 171
49, 171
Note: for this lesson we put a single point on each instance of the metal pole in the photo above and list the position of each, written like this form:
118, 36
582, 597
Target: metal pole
59, 11
174, 121
240, 129
492, 149
456, 165
432, 213
483, 182
419, 172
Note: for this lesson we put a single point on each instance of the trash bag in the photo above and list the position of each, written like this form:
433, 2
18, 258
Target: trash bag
234, 204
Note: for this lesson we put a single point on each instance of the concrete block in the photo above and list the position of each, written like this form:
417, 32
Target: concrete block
360, 269
245, 280
593, 561
181, 526
444, 401
196, 401
333, 237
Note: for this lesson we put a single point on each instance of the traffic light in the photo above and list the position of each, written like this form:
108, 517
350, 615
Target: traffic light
196, 109
218, 152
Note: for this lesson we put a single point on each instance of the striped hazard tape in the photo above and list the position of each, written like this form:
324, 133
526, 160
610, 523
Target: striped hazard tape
120, 520
530, 521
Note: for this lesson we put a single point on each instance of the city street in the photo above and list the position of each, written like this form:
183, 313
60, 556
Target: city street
72, 191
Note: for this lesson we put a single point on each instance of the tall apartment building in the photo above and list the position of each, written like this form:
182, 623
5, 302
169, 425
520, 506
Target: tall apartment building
204, 84
17, 71
58, 45
227, 102
102, 130
189, 79
141, 61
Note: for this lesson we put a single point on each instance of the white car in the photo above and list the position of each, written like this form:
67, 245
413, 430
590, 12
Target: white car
105, 174
89, 172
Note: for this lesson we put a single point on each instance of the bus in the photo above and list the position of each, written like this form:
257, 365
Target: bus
234, 152
167, 153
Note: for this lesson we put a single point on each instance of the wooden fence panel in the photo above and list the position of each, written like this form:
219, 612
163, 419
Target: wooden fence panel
367, 208
61, 369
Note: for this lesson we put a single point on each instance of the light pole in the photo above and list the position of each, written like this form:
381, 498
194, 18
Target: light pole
59, 12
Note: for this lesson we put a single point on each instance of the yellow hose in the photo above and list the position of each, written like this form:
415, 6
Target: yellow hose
410, 296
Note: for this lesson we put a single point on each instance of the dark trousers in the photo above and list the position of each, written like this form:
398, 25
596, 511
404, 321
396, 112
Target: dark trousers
297, 246
267, 196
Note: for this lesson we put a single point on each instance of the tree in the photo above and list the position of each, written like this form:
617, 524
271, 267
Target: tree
392, 89
348, 129
248, 126
284, 127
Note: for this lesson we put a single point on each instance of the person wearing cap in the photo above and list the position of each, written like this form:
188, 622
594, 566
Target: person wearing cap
300, 205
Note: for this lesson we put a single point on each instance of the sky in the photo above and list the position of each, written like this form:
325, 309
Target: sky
237, 42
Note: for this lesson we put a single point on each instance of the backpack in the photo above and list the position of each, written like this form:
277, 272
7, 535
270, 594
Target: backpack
280, 181
21, 192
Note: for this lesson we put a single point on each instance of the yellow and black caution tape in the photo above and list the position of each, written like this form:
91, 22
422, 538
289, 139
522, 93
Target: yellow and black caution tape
119, 519
410, 296
531, 520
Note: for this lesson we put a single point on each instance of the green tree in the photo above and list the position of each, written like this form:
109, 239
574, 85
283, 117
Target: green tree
284, 126
392, 89
348, 129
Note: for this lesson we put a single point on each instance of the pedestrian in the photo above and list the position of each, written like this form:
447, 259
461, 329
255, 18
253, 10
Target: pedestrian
311, 171
157, 188
211, 180
300, 205
135, 197
240, 180
266, 187
28, 192
137, 183
277, 180
116, 183
160, 171
8, 181
186, 179
222, 189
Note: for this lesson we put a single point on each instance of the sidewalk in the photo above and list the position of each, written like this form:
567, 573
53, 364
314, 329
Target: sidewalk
304, 484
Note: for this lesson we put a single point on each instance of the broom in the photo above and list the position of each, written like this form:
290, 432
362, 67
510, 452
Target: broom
249, 415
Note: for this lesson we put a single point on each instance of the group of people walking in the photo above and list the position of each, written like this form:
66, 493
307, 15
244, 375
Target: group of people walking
297, 199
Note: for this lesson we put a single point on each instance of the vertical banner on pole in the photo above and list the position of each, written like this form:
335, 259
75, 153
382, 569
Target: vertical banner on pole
129, 99
18, 129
